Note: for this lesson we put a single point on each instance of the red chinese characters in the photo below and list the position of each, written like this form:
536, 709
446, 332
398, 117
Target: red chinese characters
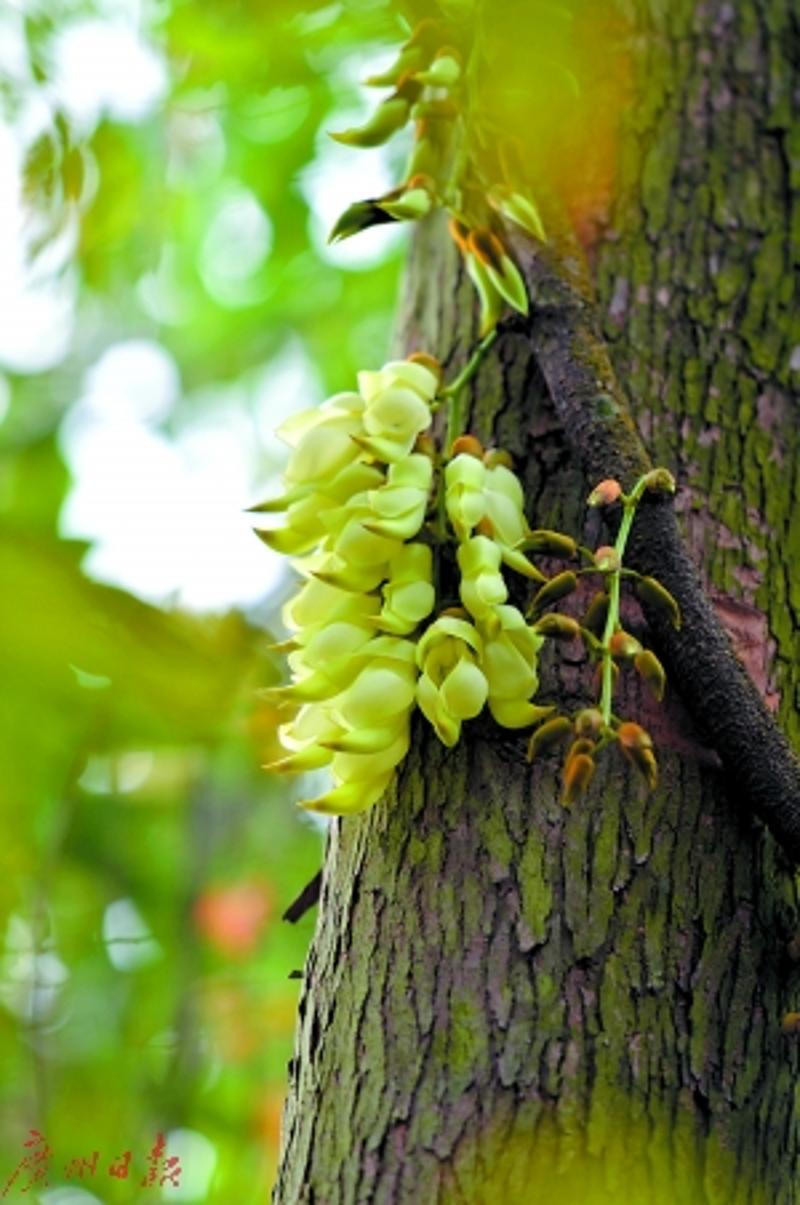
34, 1168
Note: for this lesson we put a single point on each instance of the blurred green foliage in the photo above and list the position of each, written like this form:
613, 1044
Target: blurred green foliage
144, 969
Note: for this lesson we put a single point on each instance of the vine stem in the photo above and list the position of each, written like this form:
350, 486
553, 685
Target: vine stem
452, 393
629, 502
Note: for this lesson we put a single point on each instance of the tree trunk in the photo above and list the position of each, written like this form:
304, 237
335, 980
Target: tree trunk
506, 1000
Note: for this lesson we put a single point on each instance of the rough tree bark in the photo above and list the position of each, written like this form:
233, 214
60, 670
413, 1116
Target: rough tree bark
505, 1000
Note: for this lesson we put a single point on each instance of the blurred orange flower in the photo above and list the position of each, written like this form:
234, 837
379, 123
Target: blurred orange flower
232, 918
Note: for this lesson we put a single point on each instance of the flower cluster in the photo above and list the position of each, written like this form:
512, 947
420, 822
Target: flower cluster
608, 645
443, 171
373, 508
357, 496
376, 519
362, 477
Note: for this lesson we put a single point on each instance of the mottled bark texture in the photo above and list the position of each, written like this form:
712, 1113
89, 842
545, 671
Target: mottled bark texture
507, 1001
726, 704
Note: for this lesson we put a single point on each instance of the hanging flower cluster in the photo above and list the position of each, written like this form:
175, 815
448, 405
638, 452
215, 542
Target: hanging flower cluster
427, 90
371, 514
357, 496
608, 645
404, 548
366, 646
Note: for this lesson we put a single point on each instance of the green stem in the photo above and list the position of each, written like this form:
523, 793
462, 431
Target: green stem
614, 583
455, 388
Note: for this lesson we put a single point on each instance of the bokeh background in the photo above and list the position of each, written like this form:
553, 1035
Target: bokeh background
167, 297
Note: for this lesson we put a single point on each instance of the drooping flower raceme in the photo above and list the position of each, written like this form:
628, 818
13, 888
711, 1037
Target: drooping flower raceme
370, 639
359, 487
357, 494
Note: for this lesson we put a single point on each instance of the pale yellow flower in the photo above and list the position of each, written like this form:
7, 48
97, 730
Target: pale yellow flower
408, 595
482, 586
451, 687
509, 660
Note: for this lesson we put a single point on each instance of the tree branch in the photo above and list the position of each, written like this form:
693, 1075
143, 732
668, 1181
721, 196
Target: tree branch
305, 901
699, 658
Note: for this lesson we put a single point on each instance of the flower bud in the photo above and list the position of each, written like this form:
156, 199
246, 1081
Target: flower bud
597, 677
595, 618
605, 493
637, 746
493, 457
411, 58
551, 543
487, 249
633, 736
589, 722
459, 233
549, 734
557, 627
654, 595
520, 210
454, 613
651, 671
557, 588
489, 296
578, 773
444, 72
389, 117
425, 445
645, 762
581, 745
623, 645
467, 445
659, 481
410, 206
607, 559
429, 362
361, 215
